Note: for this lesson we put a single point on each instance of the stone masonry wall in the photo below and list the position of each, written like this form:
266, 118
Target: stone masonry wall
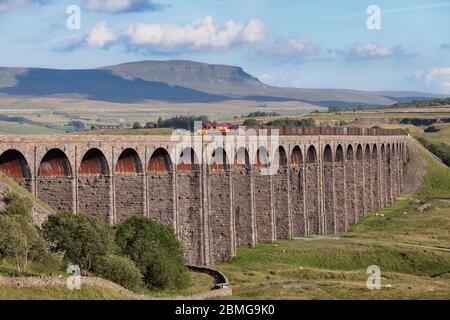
220, 208
93, 196
263, 207
375, 183
214, 212
351, 191
25, 183
160, 197
297, 189
312, 201
129, 196
367, 186
281, 203
359, 181
341, 195
242, 207
328, 194
189, 224
57, 192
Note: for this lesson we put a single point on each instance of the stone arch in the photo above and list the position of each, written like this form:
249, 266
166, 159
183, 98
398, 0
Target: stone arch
312, 196
327, 154
219, 160
311, 155
296, 156
128, 162
339, 157
188, 160
262, 158
367, 153
359, 153
242, 158
54, 181
55, 164
128, 186
350, 154
328, 191
280, 156
94, 185
93, 163
159, 161
14, 165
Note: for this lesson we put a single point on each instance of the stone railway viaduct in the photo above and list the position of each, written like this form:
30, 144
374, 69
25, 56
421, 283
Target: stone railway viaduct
216, 196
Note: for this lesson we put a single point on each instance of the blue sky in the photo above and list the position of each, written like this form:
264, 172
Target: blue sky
311, 44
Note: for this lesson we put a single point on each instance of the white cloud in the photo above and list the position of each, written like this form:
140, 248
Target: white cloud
439, 77
201, 34
100, 36
119, 6
372, 51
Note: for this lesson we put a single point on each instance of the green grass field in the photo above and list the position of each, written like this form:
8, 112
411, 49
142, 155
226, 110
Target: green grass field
399, 239
7, 127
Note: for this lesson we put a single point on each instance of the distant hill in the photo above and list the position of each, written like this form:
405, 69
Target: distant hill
178, 81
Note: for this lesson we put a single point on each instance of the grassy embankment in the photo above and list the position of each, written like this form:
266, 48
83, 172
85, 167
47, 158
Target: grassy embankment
335, 268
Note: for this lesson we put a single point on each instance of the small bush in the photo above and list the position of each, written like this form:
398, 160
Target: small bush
251, 123
156, 251
47, 262
431, 129
19, 238
120, 270
81, 238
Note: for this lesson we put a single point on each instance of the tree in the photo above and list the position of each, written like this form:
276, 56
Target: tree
251, 123
19, 238
156, 251
80, 237
120, 270
137, 125
78, 125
